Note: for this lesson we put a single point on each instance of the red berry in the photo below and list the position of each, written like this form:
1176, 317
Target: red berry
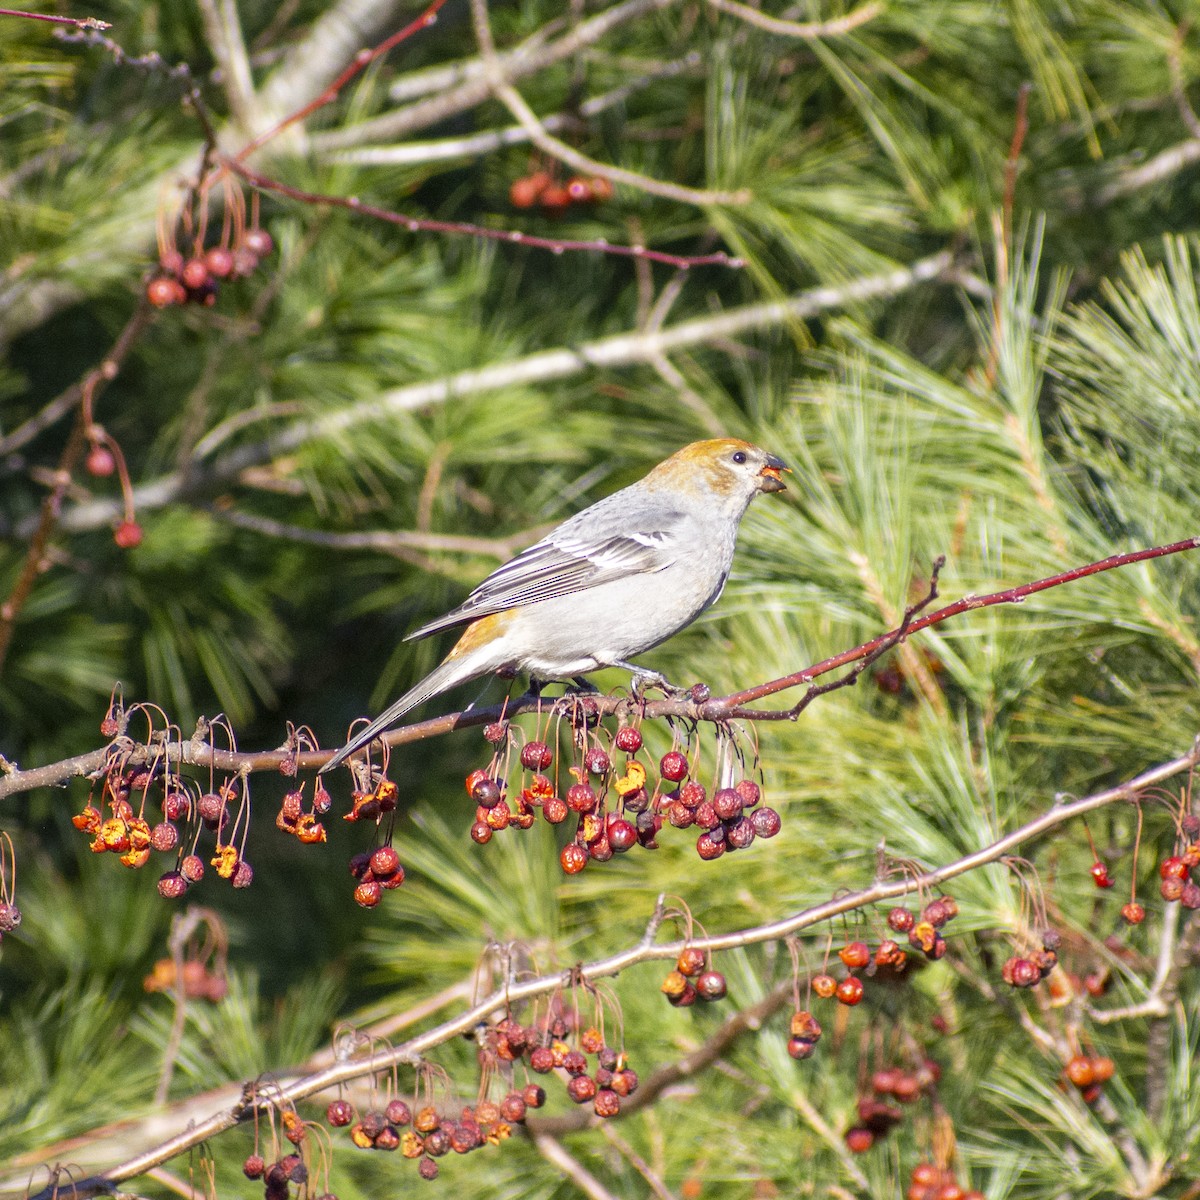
581, 1088
673, 766
368, 895
100, 462
339, 1113
801, 1048
749, 792
824, 985
192, 868
855, 955
597, 761
384, 861
219, 262
622, 834
555, 810
728, 804
258, 241
1173, 868
581, 798
172, 885
1133, 913
555, 197
629, 740
607, 1103
128, 534
708, 847
533, 1095
710, 985
766, 822
254, 1166
481, 833
690, 961
1100, 875
602, 189
194, 274
536, 756
1171, 888
579, 190
573, 859
850, 991
1080, 1071
525, 192
486, 792
163, 291
859, 1139
900, 920
164, 837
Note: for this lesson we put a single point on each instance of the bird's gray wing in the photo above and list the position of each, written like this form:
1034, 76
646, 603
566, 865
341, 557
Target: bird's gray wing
562, 564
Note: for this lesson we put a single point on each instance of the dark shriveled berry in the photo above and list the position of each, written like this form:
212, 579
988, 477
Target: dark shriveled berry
536, 756
607, 1103
766, 822
581, 1088
673, 766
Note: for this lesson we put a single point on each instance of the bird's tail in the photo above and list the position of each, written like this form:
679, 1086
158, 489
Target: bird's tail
440, 679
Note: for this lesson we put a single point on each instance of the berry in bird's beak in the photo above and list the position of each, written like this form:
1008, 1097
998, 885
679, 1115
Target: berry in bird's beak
769, 478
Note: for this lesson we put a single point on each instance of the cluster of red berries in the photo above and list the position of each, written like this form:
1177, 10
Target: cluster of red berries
1089, 1073
931, 1182
130, 836
1026, 970
433, 1134
304, 825
693, 979
277, 1176
542, 189
924, 929
376, 872
195, 280
876, 1117
634, 815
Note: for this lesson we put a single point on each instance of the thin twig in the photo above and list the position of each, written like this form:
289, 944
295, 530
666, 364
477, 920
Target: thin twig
508, 95
806, 30
78, 22
556, 1154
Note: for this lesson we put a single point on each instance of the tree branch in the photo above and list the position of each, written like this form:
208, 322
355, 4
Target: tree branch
621, 350
513, 992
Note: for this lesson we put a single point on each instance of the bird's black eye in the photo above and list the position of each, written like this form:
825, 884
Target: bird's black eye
739, 456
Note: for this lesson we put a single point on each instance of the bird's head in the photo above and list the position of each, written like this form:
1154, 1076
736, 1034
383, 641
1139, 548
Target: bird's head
727, 468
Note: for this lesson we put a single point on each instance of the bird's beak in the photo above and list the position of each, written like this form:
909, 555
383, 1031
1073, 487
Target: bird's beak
769, 479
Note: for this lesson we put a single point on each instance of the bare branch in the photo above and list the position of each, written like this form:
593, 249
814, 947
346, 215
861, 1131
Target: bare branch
223, 29
808, 30
621, 350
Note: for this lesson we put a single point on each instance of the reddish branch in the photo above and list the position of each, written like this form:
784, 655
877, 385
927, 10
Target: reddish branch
198, 753
515, 992
78, 22
512, 237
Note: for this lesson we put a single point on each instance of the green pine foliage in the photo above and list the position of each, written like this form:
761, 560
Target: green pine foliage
1035, 408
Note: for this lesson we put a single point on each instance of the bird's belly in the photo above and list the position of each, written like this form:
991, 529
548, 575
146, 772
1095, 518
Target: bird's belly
572, 635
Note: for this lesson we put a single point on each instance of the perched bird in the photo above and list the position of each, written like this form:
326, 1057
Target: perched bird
610, 582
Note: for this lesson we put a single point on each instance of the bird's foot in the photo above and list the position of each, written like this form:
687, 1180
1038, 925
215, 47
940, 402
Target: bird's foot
642, 679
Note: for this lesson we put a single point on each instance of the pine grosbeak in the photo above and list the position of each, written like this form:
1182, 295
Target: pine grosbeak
608, 583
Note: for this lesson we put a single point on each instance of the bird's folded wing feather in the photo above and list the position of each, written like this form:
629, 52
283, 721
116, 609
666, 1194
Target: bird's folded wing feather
559, 566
